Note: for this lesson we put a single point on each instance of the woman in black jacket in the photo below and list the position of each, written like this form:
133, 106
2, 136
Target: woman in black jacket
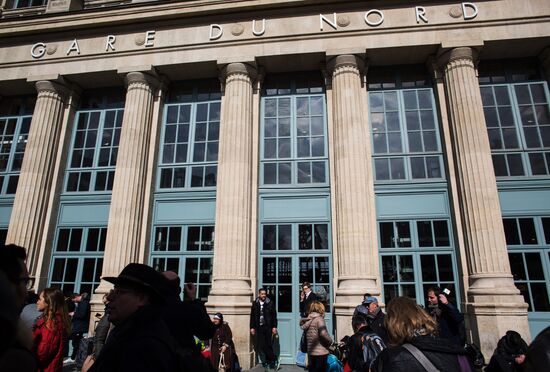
222, 344
408, 324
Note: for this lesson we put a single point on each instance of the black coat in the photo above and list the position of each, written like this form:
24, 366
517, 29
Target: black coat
270, 314
441, 352
304, 305
355, 348
376, 322
81, 317
450, 323
186, 319
141, 343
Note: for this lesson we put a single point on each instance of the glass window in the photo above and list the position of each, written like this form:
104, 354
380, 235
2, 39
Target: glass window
405, 135
14, 133
94, 150
517, 117
19, 4
294, 140
190, 138
77, 260
411, 266
188, 251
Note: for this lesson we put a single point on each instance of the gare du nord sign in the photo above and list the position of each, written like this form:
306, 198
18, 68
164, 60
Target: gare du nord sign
372, 18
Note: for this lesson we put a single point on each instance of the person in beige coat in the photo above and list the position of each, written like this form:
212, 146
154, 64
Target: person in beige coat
318, 339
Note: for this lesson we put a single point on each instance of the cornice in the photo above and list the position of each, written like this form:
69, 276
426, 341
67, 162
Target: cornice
137, 13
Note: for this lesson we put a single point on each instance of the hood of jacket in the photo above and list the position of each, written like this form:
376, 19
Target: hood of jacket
267, 300
310, 318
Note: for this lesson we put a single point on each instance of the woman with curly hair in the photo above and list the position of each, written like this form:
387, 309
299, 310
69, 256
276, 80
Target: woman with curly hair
414, 343
51, 330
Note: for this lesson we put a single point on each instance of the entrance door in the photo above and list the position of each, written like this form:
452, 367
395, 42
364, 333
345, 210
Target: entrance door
284, 265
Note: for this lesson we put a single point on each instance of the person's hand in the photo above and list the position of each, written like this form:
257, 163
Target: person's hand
223, 349
274, 330
189, 291
252, 331
520, 359
302, 296
443, 299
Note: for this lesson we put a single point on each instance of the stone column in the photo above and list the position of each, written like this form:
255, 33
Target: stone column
494, 305
28, 217
353, 191
231, 291
129, 188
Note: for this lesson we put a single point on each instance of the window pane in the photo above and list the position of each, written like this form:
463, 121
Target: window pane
404, 234
269, 237
445, 266
389, 268
174, 239
516, 266
304, 237
534, 266
441, 233
321, 236
546, 228
425, 233
193, 238
270, 174
284, 173
417, 168
269, 267
429, 273
539, 291
318, 172
397, 168
499, 165
386, 234
76, 238
406, 271
515, 164
536, 160
63, 240
285, 237
381, 167
527, 228
284, 274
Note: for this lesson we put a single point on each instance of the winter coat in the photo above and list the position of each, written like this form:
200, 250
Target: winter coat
441, 352
222, 336
376, 322
503, 359
176, 315
318, 339
48, 344
101, 333
141, 343
270, 314
355, 348
449, 321
304, 305
81, 317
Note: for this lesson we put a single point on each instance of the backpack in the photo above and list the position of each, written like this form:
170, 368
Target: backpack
372, 346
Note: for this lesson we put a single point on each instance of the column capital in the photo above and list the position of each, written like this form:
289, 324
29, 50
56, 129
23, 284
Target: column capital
249, 69
444, 57
346, 60
58, 86
140, 77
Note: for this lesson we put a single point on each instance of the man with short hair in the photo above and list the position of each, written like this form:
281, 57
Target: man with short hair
356, 358
374, 315
307, 296
79, 322
263, 325
140, 340
450, 321
16, 340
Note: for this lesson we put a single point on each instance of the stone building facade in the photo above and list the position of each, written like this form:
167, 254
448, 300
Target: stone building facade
361, 146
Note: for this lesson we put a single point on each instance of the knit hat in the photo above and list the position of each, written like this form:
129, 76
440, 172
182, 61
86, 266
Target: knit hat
219, 316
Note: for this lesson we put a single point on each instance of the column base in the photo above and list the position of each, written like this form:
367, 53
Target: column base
349, 294
233, 298
495, 306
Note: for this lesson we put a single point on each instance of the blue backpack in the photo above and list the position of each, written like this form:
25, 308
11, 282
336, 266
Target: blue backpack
372, 347
333, 364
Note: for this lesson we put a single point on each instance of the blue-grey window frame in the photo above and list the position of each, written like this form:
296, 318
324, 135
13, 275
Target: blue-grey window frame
9, 173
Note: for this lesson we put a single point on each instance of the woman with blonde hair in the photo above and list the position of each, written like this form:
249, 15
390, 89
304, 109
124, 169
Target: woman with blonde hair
51, 330
318, 339
415, 346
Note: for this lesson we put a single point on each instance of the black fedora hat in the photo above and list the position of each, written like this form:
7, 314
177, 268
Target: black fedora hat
141, 277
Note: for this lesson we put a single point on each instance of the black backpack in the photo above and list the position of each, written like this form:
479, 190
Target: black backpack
372, 346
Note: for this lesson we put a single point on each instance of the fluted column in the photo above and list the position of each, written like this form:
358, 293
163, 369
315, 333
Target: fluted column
494, 304
231, 288
28, 218
129, 188
353, 190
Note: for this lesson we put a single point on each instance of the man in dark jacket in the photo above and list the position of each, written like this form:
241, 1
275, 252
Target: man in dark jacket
80, 321
263, 325
450, 321
140, 340
307, 296
187, 318
374, 314
356, 358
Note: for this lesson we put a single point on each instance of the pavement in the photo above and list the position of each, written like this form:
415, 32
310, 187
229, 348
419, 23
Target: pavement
71, 367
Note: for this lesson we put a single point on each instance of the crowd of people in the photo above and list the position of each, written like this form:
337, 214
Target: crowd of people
147, 326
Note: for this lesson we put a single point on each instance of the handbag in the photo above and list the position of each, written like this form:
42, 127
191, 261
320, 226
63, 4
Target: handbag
303, 342
221, 364
302, 359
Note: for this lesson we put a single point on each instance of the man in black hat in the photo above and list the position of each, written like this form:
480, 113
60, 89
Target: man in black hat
140, 340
